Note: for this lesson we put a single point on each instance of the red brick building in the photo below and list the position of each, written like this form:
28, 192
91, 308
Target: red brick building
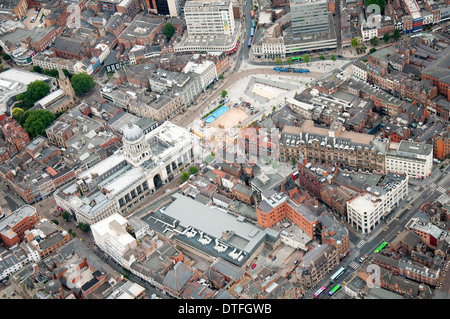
14, 134
13, 227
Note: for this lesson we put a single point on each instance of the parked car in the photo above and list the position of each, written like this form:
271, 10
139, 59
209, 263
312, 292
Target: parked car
274, 257
253, 266
363, 258
270, 256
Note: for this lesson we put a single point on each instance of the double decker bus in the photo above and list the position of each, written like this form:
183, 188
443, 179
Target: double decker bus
320, 291
337, 274
380, 248
334, 290
249, 42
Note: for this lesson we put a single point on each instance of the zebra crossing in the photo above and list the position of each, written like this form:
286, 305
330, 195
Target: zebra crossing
441, 190
354, 265
417, 188
360, 243
433, 185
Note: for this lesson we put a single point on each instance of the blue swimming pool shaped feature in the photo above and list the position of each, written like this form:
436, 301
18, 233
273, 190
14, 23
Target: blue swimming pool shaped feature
214, 115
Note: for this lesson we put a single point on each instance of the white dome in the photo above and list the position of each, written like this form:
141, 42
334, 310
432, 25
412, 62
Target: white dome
132, 132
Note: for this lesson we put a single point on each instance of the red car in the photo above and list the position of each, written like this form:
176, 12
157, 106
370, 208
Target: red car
270, 256
253, 266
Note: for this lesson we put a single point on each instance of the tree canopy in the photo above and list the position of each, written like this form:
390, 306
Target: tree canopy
386, 37
36, 90
82, 83
374, 41
333, 57
306, 57
224, 93
37, 121
355, 42
169, 30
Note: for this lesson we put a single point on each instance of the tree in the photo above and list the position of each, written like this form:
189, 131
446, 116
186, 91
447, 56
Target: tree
17, 112
37, 69
184, 176
333, 57
83, 227
169, 30
47, 72
372, 50
306, 58
386, 37
355, 42
38, 121
65, 215
289, 61
221, 77
6, 57
54, 72
278, 61
293, 162
193, 170
54, 221
374, 41
322, 58
82, 83
396, 34
224, 93
35, 91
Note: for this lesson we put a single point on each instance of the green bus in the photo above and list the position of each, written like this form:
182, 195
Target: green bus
384, 244
335, 288
297, 58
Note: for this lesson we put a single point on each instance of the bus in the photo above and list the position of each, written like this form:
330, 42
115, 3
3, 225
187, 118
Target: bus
252, 13
334, 290
252, 31
337, 274
296, 58
384, 244
319, 292
249, 42
253, 23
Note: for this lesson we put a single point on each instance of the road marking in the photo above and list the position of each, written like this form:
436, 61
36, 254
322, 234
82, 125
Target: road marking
360, 243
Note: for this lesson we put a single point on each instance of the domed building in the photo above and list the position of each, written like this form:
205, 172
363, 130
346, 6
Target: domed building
135, 146
121, 181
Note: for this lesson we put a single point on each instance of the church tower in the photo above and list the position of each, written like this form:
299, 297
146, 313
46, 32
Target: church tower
65, 85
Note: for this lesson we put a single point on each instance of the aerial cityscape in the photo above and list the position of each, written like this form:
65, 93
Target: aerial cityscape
224, 150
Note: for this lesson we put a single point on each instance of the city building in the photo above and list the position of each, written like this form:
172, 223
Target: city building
316, 264
412, 158
309, 16
111, 236
333, 146
14, 226
366, 211
119, 182
212, 17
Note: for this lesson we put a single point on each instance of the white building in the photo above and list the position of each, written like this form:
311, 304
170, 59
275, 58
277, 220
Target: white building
412, 158
111, 236
366, 211
118, 183
207, 71
209, 17
360, 70
368, 32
